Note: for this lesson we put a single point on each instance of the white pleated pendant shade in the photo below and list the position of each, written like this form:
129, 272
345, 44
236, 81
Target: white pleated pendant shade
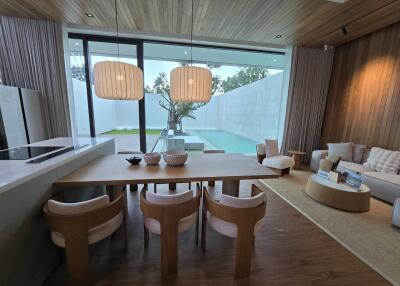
190, 84
118, 80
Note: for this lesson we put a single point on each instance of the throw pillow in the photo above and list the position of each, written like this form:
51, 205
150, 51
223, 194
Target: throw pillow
358, 152
271, 148
383, 160
343, 150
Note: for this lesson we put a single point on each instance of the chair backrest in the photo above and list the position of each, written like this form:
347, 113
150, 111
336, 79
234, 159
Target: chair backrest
213, 151
75, 220
173, 199
237, 202
244, 212
60, 208
169, 209
260, 152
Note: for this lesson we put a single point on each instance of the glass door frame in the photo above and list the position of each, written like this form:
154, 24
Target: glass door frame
140, 61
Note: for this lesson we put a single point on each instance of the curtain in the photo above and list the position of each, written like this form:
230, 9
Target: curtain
31, 56
308, 90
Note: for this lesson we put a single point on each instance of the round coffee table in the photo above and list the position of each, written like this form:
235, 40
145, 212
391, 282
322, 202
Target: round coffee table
296, 155
338, 195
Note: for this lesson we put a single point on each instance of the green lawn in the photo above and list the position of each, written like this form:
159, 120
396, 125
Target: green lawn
132, 132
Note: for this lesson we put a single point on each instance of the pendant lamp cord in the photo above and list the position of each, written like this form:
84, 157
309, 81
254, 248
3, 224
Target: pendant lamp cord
191, 37
116, 23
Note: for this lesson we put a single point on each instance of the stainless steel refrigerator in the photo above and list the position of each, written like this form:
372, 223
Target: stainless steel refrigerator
20, 117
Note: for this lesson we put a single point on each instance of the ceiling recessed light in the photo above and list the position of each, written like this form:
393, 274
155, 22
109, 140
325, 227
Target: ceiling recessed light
76, 43
274, 60
90, 15
186, 52
278, 36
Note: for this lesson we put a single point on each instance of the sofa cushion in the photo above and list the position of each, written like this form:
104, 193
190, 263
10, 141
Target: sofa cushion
271, 148
382, 185
358, 152
383, 160
345, 166
343, 150
278, 162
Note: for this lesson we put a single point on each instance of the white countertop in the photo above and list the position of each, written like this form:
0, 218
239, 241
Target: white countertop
15, 172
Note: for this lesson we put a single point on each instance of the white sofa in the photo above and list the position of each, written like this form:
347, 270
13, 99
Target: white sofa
382, 185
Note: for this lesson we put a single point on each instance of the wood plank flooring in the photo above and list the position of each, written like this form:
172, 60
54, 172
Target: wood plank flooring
289, 250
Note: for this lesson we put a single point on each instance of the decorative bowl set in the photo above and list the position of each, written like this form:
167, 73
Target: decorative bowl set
171, 158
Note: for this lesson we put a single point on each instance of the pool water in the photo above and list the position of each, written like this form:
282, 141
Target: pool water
227, 141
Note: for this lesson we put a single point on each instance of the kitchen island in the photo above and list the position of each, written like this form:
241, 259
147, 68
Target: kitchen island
27, 255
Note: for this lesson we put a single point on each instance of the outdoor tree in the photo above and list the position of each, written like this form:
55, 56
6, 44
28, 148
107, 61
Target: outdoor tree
243, 77
178, 110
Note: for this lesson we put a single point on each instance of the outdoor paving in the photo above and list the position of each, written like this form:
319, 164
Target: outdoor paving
131, 142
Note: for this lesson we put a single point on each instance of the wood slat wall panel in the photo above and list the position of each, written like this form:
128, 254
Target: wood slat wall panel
364, 95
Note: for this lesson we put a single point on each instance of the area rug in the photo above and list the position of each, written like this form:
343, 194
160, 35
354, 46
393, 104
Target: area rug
368, 235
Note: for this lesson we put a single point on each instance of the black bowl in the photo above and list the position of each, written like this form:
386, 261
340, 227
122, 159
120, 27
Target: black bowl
134, 160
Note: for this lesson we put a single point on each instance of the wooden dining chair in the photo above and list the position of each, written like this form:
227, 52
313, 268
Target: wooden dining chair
239, 218
168, 215
74, 226
212, 183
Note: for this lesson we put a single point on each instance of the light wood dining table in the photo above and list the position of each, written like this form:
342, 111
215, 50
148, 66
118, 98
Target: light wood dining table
112, 170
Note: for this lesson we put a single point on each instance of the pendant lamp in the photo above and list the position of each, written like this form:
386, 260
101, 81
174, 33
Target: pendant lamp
116, 79
189, 83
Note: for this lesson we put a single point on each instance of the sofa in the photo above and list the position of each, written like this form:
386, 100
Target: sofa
379, 168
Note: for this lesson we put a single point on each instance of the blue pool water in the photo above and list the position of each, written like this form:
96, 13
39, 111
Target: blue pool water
227, 141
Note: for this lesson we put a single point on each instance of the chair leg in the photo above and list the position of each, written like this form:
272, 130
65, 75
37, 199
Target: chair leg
211, 183
78, 260
244, 247
125, 221
169, 249
203, 231
133, 187
146, 237
190, 185
197, 227
155, 188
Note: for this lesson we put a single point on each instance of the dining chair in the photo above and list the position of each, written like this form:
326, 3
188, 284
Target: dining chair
168, 215
74, 226
239, 218
212, 183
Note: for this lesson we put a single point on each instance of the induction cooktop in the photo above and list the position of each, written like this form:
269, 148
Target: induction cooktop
25, 152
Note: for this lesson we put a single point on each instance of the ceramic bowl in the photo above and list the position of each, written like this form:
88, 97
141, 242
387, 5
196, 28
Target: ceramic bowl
152, 158
134, 160
175, 157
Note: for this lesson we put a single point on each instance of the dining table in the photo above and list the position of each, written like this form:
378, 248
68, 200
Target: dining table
113, 170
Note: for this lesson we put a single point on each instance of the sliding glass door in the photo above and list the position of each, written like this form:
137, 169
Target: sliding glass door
245, 106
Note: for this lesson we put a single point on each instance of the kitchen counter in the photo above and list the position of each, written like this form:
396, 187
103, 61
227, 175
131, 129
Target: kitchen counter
27, 255
15, 172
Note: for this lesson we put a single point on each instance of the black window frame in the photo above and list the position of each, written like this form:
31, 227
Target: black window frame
139, 43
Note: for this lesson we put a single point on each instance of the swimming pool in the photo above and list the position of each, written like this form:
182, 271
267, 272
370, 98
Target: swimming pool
220, 139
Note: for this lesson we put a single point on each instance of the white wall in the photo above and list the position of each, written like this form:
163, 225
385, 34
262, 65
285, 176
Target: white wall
253, 110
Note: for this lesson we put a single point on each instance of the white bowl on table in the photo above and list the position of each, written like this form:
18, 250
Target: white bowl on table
152, 158
175, 157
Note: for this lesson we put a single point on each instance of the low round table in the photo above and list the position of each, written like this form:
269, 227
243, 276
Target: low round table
338, 195
296, 155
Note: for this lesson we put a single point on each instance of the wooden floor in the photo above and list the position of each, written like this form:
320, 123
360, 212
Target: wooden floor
289, 250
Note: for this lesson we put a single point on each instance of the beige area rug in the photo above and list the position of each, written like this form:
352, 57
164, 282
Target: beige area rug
367, 235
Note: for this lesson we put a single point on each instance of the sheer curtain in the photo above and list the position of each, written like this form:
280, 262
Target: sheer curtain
31, 56
308, 91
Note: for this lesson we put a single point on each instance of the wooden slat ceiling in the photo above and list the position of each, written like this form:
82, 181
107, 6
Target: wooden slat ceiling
301, 22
